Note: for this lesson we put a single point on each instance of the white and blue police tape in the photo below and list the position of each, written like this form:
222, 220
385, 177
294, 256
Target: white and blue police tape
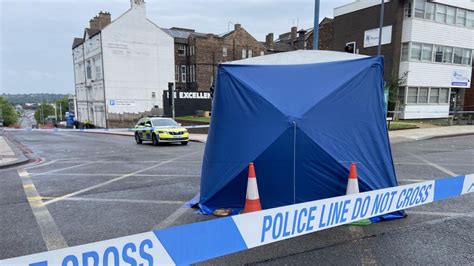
206, 240
88, 129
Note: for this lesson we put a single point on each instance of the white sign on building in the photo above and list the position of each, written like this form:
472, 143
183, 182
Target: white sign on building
460, 78
371, 37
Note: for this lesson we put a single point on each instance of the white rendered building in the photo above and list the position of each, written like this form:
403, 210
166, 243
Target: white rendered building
121, 66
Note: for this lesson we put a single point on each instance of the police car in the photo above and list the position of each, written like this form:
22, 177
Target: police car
159, 130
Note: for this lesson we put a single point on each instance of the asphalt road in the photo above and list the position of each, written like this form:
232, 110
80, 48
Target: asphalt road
96, 187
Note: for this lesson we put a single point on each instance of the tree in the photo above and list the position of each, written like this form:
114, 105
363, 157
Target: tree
393, 86
7, 112
43, 111
62, 106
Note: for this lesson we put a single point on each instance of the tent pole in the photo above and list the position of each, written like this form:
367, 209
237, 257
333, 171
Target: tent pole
294, 162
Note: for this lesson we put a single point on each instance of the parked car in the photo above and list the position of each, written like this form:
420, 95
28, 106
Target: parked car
160, 130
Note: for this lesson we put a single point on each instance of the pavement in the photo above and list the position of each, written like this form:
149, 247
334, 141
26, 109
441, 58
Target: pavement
432, 132
92, 187
10, 155
396, 136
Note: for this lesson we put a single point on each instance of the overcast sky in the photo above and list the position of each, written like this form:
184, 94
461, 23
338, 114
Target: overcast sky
36, 35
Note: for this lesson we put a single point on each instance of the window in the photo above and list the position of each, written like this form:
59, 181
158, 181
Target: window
89, 70
405, 49
420, 8
250, 53
401, 95
438, 53
192, 50
98, 72
412, 95
470, 19
416, 51
244, 53
434, 95
448, 55
440, 13
429, 10
183, 73
457, 58
350, 47
423, 95
224, 51
181, 50
443, 95
176, 73
461, 17
466, 56
192, 73
153, 94
427, 52
408, 9
450, 14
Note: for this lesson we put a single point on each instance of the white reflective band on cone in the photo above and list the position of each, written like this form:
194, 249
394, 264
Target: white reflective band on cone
252, 190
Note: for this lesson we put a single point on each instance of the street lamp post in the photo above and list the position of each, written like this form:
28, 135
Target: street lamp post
382, 6
316, 25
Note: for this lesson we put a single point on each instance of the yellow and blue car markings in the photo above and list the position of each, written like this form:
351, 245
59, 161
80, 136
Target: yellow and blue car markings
167, 134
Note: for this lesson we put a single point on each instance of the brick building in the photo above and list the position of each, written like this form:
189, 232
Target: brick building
198, 54
429, 43
301, 39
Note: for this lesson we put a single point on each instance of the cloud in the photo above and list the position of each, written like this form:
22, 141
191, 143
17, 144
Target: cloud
37, 75
36, 35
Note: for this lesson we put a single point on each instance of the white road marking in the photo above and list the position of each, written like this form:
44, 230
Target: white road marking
169, 221
120, 200
116, 179
442, 169
40, 165
62, 169
50, 232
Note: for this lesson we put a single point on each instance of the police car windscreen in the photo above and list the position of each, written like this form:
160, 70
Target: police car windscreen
160, 122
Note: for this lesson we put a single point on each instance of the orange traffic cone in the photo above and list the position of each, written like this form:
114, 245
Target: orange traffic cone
252, 201
353, 188
353, 183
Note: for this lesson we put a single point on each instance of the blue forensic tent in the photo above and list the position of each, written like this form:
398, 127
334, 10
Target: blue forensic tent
301, 124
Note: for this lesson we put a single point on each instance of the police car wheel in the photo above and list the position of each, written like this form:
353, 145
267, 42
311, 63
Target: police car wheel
184, 143
138, 140
155, 139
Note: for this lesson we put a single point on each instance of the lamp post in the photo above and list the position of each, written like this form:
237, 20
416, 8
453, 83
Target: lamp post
382, 6
316, 25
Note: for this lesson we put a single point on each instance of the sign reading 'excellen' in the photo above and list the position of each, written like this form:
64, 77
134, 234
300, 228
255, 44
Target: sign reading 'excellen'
191, 95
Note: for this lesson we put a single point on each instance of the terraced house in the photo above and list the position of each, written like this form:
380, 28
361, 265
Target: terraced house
121, 67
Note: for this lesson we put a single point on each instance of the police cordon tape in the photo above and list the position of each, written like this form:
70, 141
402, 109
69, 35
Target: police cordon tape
202, 241
90, 129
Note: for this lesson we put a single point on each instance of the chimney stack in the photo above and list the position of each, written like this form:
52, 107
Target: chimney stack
294, 30
269, 41
100, 21
237, 26
104, 19
94, 23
